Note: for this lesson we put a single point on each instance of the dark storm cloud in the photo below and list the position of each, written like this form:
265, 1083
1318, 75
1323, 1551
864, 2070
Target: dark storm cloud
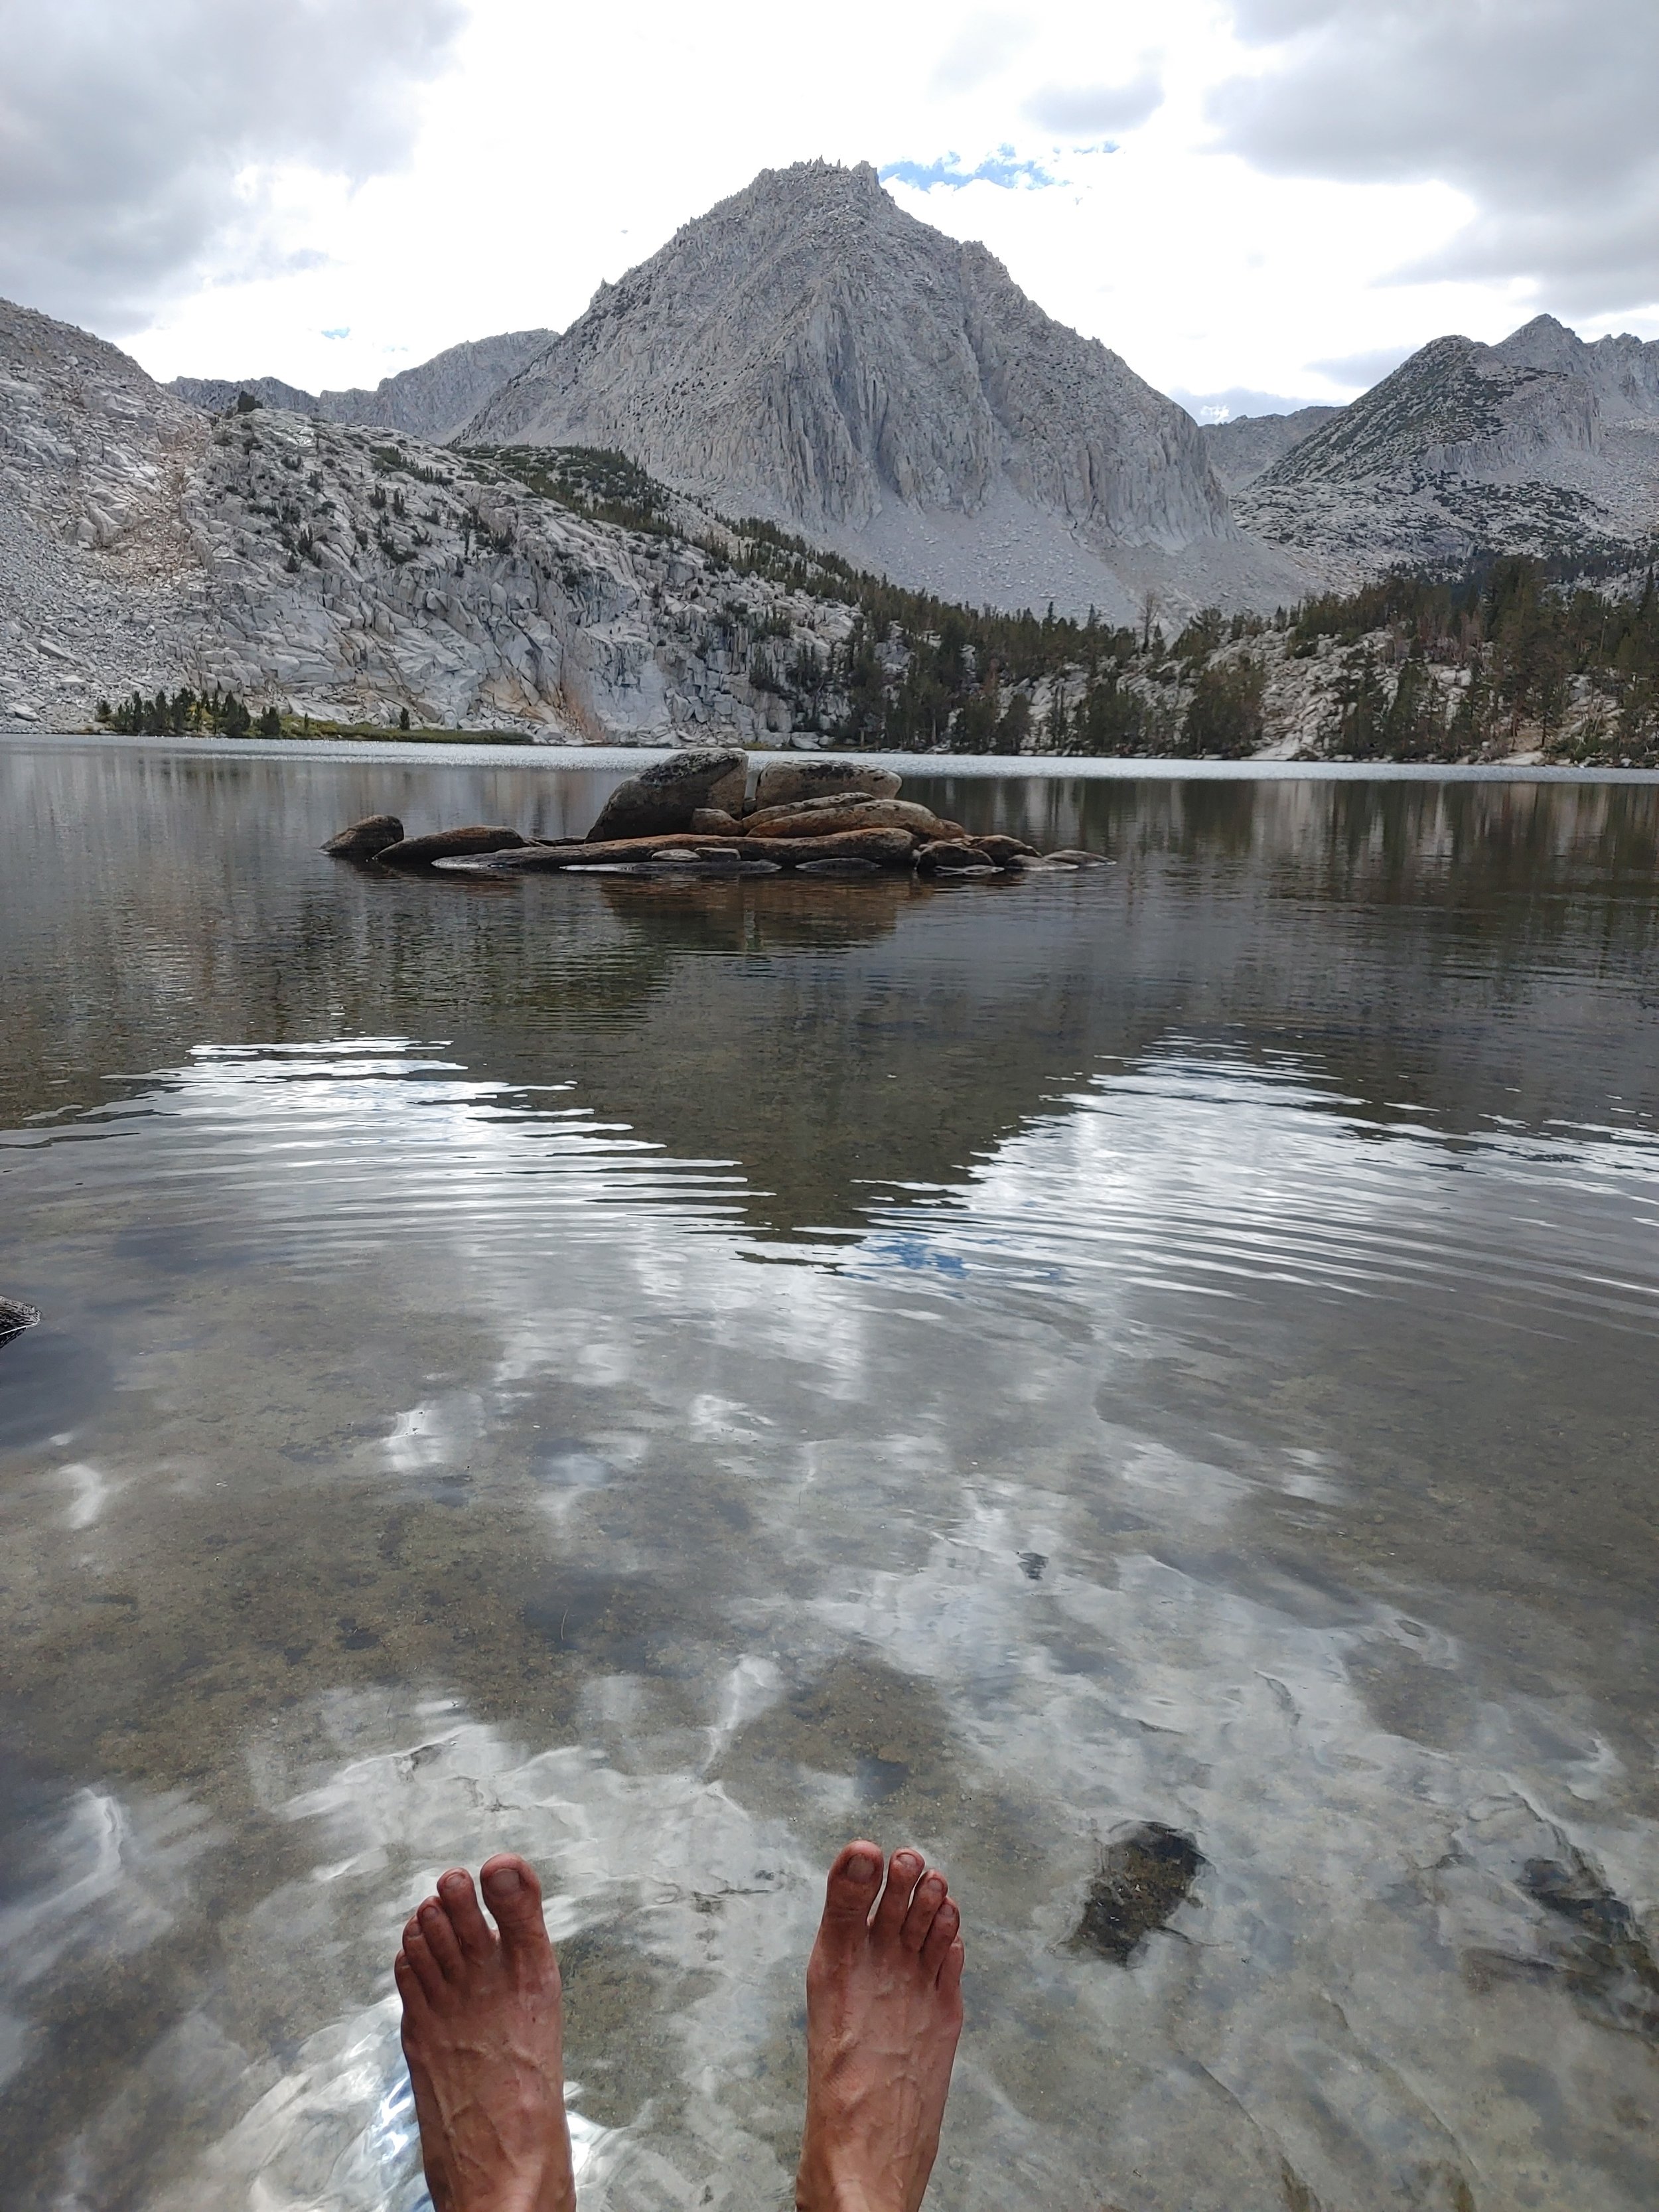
1543, 111
125, 123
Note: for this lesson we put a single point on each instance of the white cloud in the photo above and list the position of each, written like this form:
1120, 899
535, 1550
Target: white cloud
1543, 113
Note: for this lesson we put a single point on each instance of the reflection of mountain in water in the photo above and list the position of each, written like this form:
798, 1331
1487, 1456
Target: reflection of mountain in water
1420, 943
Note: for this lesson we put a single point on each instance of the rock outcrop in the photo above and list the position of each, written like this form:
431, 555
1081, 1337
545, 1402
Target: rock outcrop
432, 401
808, 352
362, 841
666, 796
1541, 445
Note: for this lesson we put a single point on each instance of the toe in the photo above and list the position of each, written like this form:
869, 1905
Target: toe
514, 1896
949, 1973
904, 1871
851, 1891
460, 1901
409, 1987
441, 1939
426, 1968
941, 1936
930, 1894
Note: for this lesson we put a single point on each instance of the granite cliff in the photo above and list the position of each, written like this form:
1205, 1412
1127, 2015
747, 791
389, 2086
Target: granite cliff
809, 353
298, 560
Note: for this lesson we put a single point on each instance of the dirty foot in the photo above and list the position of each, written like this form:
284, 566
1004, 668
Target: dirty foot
883, 2010
482, 2033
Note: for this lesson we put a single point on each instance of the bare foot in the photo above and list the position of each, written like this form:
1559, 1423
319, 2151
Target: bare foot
883, 2010
483, 2034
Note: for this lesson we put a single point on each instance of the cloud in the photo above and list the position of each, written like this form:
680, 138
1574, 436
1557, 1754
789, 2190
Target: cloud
133, 137
979, 50
1542, 113
1083, 110
1364, 369
1239, 399
999, 168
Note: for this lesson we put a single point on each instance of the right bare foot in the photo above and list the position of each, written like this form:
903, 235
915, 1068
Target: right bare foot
884, 2011
482, 2033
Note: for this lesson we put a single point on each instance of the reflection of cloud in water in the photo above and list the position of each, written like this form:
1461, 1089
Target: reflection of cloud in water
1332, 2006
1203, 1173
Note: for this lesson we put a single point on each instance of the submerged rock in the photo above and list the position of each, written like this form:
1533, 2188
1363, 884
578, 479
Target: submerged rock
1075, 857
786, 783
1597, 1942
15, 1317
1145, 1874
842, 867
665, 795
445, 844
362, 841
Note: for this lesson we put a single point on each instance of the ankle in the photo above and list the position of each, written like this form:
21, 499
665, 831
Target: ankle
819, 2193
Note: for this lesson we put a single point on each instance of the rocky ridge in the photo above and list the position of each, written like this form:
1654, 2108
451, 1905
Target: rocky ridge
1241, 449
432, 400
1541, 445
809, 353
308, 563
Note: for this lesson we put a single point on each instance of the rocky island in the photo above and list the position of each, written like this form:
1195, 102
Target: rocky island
694, 814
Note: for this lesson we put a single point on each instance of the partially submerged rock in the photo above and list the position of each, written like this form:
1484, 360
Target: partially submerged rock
15, 1317
1075, 857
446, 844
845, 868
665, 795
1145, 1874
785, 783
1005, 852
362, 841
949, 856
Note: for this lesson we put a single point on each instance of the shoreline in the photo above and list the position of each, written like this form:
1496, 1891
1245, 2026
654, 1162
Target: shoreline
1056, 767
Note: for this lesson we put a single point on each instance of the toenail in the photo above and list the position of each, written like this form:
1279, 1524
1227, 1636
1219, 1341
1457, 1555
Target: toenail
863, 1869
506, 1880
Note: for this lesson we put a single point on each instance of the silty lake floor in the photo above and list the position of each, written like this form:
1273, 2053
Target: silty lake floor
665, 1377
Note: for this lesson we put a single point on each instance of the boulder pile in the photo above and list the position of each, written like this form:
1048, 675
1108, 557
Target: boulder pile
693, 814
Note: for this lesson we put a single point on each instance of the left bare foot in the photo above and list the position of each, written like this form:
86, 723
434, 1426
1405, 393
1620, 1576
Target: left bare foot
483, 2034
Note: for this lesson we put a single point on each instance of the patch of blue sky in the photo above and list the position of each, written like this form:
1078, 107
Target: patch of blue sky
345, 331
1001, 168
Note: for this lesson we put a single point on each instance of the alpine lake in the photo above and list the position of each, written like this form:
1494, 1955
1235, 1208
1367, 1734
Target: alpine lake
1140, 1381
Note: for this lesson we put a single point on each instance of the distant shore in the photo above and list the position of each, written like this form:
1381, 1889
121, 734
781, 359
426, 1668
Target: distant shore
485, 752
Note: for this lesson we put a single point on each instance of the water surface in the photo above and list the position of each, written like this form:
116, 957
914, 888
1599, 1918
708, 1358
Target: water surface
665, 1377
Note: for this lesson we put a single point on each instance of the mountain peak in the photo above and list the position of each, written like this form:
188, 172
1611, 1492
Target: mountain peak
808, 351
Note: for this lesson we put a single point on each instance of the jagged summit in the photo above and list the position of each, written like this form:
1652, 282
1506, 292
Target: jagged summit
432, 400
808, 351
1539, 444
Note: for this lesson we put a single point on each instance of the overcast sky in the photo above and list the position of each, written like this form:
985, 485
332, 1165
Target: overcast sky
1246, 199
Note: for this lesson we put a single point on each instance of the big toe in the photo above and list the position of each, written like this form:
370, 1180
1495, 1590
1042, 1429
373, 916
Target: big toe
514, 1896
851, 1890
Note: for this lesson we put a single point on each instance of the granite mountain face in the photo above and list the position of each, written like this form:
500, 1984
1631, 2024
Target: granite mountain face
809, 353
1542, 445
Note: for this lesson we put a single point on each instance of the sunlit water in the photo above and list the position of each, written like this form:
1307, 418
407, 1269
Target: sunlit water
665, 1378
